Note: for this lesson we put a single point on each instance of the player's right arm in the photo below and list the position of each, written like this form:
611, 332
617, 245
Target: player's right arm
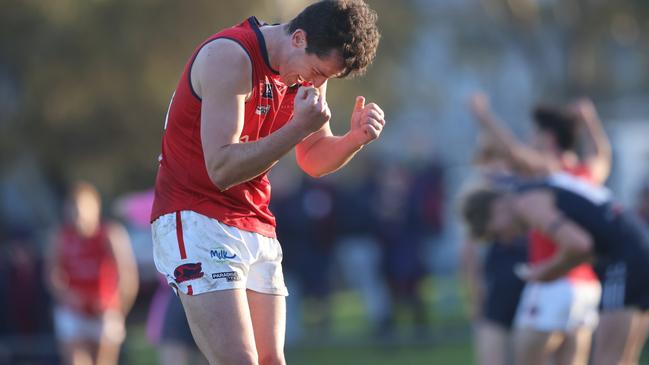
522, 157
222, 77
574, 245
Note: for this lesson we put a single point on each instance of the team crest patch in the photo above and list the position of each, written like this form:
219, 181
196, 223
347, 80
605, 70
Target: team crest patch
268, 91
189, 271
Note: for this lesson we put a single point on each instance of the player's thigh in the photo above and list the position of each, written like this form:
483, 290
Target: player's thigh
531, 346
76, 353
637, 336
575, 348
491, 343
611, 336
221, 326
268, 313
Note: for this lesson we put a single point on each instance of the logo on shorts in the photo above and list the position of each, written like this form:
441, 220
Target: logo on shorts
186, 272
222, 254
228, 275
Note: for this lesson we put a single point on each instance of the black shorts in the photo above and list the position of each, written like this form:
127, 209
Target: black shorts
503, 287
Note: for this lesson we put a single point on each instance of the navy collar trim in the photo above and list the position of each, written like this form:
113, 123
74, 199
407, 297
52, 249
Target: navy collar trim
254, 24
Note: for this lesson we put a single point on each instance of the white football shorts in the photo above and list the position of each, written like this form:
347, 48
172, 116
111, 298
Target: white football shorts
560, 305
198, 254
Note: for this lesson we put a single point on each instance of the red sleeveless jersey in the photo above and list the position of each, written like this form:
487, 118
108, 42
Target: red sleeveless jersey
89, 269
182, 182
543, 248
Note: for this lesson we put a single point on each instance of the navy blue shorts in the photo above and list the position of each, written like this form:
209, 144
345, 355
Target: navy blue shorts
624, 285
503, 287
175, 328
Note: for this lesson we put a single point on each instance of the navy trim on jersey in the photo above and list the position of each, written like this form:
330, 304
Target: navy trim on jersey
254, 24
189, 74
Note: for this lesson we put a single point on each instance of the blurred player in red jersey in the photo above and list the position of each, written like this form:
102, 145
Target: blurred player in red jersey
247, 96
93, 278
555, 319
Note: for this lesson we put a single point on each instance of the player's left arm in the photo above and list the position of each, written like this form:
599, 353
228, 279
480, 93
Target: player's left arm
127, 273
472, 269
574, 244
322, 153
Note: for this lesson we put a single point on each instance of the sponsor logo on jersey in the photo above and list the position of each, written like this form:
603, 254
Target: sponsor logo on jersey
188, 271
268, 91
262, 109
222, 254
228, 275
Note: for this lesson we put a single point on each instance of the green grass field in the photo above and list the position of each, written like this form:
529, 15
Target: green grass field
374, 355
348, 339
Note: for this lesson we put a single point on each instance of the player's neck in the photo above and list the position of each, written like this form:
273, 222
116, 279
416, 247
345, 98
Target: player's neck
275, 37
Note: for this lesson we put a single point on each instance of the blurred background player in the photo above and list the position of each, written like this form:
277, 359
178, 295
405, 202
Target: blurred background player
555, 320
93, 278
585, 224
494, 289
168, 330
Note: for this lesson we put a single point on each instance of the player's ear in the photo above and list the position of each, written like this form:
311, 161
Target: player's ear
298, 38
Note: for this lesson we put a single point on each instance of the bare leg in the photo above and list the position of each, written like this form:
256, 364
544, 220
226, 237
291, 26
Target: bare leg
108, 352
221, 326
76, 353
268, 314
611, 336
491, 342
637, 337
575, 348
531, 347
113, 333
620, 337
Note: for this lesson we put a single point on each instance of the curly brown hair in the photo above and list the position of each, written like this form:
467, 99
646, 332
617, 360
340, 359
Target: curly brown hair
347, 26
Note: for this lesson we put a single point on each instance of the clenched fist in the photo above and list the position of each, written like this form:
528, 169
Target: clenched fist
310, 109
367, 122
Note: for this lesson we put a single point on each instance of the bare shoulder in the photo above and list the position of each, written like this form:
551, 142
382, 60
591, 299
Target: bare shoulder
222, 63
